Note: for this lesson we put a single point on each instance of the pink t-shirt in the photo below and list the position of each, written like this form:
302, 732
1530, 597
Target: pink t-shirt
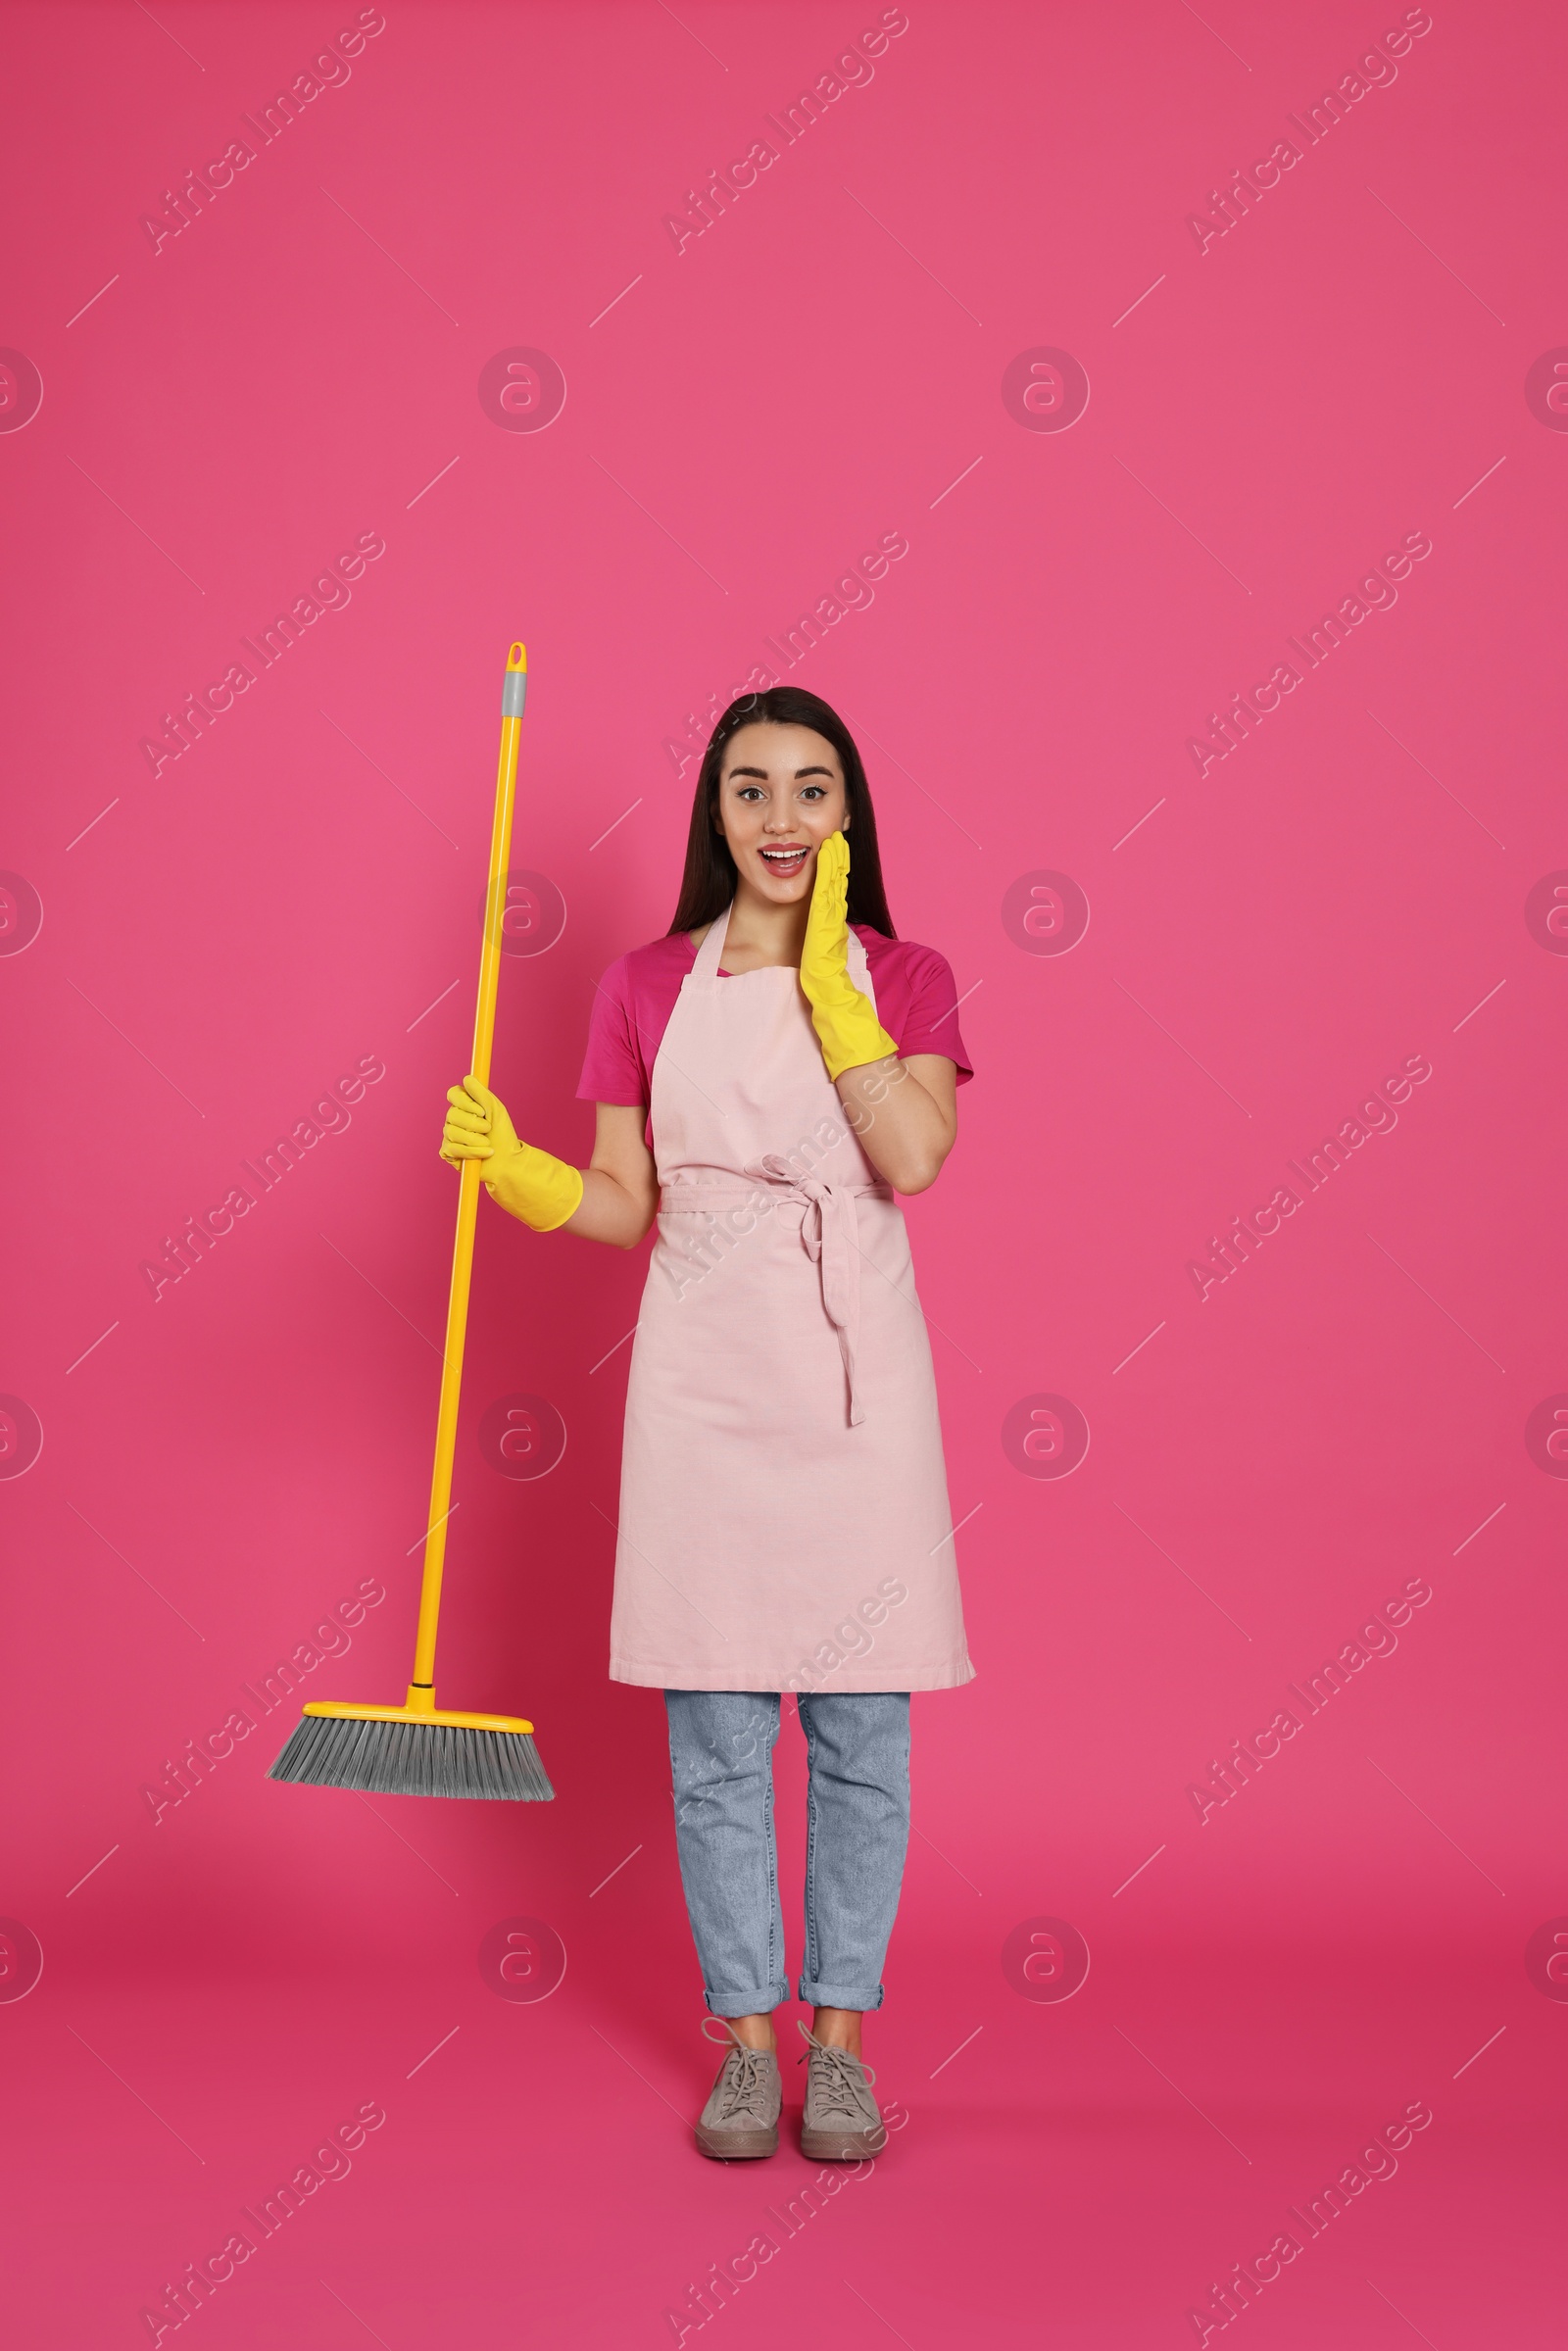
916, 1003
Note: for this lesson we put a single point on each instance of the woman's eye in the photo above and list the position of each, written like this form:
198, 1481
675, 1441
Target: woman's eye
814, 792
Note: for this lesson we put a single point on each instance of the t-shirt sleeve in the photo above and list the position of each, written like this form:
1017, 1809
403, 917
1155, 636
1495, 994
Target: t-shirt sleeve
612, 1069
917, 1000
931, 1023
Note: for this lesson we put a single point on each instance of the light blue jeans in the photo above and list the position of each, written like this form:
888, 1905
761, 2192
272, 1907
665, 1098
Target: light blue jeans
858, 1829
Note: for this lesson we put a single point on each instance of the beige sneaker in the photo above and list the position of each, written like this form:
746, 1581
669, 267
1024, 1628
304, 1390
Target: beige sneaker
741, 2117
842, 2122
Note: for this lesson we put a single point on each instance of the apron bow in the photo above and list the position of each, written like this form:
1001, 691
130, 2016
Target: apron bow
829, 1234
829, 1228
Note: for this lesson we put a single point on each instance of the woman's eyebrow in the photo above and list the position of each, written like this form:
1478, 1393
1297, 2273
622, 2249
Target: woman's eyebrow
762, 776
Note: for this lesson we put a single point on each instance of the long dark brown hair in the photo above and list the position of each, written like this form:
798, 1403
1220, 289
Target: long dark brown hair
709, 882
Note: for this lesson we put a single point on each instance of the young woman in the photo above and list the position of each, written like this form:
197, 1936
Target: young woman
767, 1076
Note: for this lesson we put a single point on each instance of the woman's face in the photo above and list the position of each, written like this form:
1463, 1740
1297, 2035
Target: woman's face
780, 794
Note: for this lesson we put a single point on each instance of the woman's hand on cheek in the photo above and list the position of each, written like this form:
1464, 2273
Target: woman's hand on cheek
824, 954
846, 1024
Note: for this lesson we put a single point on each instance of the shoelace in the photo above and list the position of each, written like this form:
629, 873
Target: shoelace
839, 2092
743, 2083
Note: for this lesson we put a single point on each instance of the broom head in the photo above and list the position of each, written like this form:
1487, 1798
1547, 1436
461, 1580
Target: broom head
413, 1750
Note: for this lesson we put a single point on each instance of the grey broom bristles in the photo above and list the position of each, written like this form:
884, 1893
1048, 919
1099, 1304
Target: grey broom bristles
413, 1758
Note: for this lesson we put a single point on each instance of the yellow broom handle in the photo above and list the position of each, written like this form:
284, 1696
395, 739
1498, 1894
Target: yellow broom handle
484, 1022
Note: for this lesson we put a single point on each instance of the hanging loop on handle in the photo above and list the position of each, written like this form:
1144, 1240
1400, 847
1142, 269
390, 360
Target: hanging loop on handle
421, 1690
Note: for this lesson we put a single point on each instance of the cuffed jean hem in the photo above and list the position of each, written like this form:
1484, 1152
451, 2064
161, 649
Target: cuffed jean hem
863, 1996
745, 2003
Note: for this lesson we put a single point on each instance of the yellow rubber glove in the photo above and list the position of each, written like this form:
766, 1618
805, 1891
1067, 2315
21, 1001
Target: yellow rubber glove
527, 1183
844, 1022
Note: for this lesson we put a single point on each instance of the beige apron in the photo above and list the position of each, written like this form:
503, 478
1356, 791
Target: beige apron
784, 1520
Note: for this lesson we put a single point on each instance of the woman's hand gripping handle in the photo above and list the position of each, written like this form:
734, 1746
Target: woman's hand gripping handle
541, 1191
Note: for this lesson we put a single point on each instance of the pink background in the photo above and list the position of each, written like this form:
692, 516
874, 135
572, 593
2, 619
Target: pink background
1267, 941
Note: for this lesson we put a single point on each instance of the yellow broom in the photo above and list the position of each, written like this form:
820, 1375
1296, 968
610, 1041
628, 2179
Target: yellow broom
413, 1749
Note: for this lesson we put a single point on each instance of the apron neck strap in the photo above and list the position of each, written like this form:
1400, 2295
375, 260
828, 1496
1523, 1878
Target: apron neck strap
705, 966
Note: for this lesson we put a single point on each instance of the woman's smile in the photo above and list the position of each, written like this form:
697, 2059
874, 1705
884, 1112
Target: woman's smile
786, 861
